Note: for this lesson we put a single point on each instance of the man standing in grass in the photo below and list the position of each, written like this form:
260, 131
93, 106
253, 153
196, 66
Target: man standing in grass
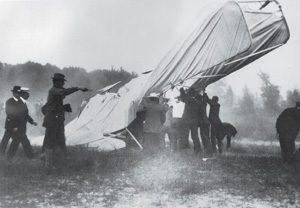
190, 118
204, 124
154, 120
215, 122
54, 111
12, 121
20, 136
288, 126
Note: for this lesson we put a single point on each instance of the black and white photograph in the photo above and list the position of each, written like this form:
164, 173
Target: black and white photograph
149, 103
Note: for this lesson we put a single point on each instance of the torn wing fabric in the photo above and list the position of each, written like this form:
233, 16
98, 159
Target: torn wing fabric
268, 31
227, 35
108, 113
221, 36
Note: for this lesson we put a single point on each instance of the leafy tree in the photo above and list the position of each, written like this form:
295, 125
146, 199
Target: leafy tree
270, 94
246, 103
229, 97
292, 97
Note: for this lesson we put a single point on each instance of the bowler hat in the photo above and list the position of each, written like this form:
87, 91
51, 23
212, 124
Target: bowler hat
25, 89
16, 89
58, 76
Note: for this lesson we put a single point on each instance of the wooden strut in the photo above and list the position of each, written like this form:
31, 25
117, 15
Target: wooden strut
134, 138
240, 59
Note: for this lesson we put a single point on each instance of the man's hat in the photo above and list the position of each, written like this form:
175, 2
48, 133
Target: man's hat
25, 89
153, 95
16, 89
298, 104
58, 76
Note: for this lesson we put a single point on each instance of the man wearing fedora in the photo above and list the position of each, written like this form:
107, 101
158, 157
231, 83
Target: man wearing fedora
54, 111
12, 107
288, 126
23, 118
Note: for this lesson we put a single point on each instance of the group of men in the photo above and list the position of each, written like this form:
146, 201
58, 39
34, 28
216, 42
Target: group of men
154, 126
16, 122
17, 116
153, 121
178, 126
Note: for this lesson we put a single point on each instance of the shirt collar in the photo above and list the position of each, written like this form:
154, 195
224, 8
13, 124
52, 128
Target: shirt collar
23, 100
16, 99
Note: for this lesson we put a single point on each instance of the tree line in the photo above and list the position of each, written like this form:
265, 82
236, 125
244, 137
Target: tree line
253, 115
37, 77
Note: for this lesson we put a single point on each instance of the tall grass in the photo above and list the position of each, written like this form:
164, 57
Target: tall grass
88, 178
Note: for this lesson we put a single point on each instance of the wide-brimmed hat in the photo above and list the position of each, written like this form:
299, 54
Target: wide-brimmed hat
25, 89
153, 95
58, 76
16, 89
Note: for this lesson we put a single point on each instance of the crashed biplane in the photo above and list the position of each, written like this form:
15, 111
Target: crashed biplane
229, 38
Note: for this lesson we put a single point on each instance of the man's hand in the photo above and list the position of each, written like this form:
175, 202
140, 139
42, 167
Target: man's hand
15, 129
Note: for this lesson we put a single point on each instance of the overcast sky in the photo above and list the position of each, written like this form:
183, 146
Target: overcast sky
133, 34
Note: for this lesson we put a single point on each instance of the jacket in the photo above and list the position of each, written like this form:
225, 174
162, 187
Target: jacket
12, 109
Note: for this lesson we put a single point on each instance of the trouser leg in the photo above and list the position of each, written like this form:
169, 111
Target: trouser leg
220, 145
219, 139
26, 146
153, 140
48, 157
195, 137
287, 145
184, 135
13, 146
204, 130
172, 138
50, 145
175, 133
7, 135
61, 139
213, 138
228, 137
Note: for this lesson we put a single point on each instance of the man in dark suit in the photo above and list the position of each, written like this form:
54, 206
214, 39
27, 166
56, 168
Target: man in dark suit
229, 131
288, 126
190, 118
20, 136
204, 125
215, 122
12, 118
54, 111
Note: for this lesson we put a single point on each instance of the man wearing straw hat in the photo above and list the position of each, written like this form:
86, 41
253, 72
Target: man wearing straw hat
21, 137
12, 121
154, 119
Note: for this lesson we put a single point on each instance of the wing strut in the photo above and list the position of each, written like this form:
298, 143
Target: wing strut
268, 49
134, 138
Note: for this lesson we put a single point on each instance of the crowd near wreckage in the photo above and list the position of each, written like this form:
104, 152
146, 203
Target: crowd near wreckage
231, 35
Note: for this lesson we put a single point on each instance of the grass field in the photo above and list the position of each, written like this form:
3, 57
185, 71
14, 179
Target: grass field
249, 175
